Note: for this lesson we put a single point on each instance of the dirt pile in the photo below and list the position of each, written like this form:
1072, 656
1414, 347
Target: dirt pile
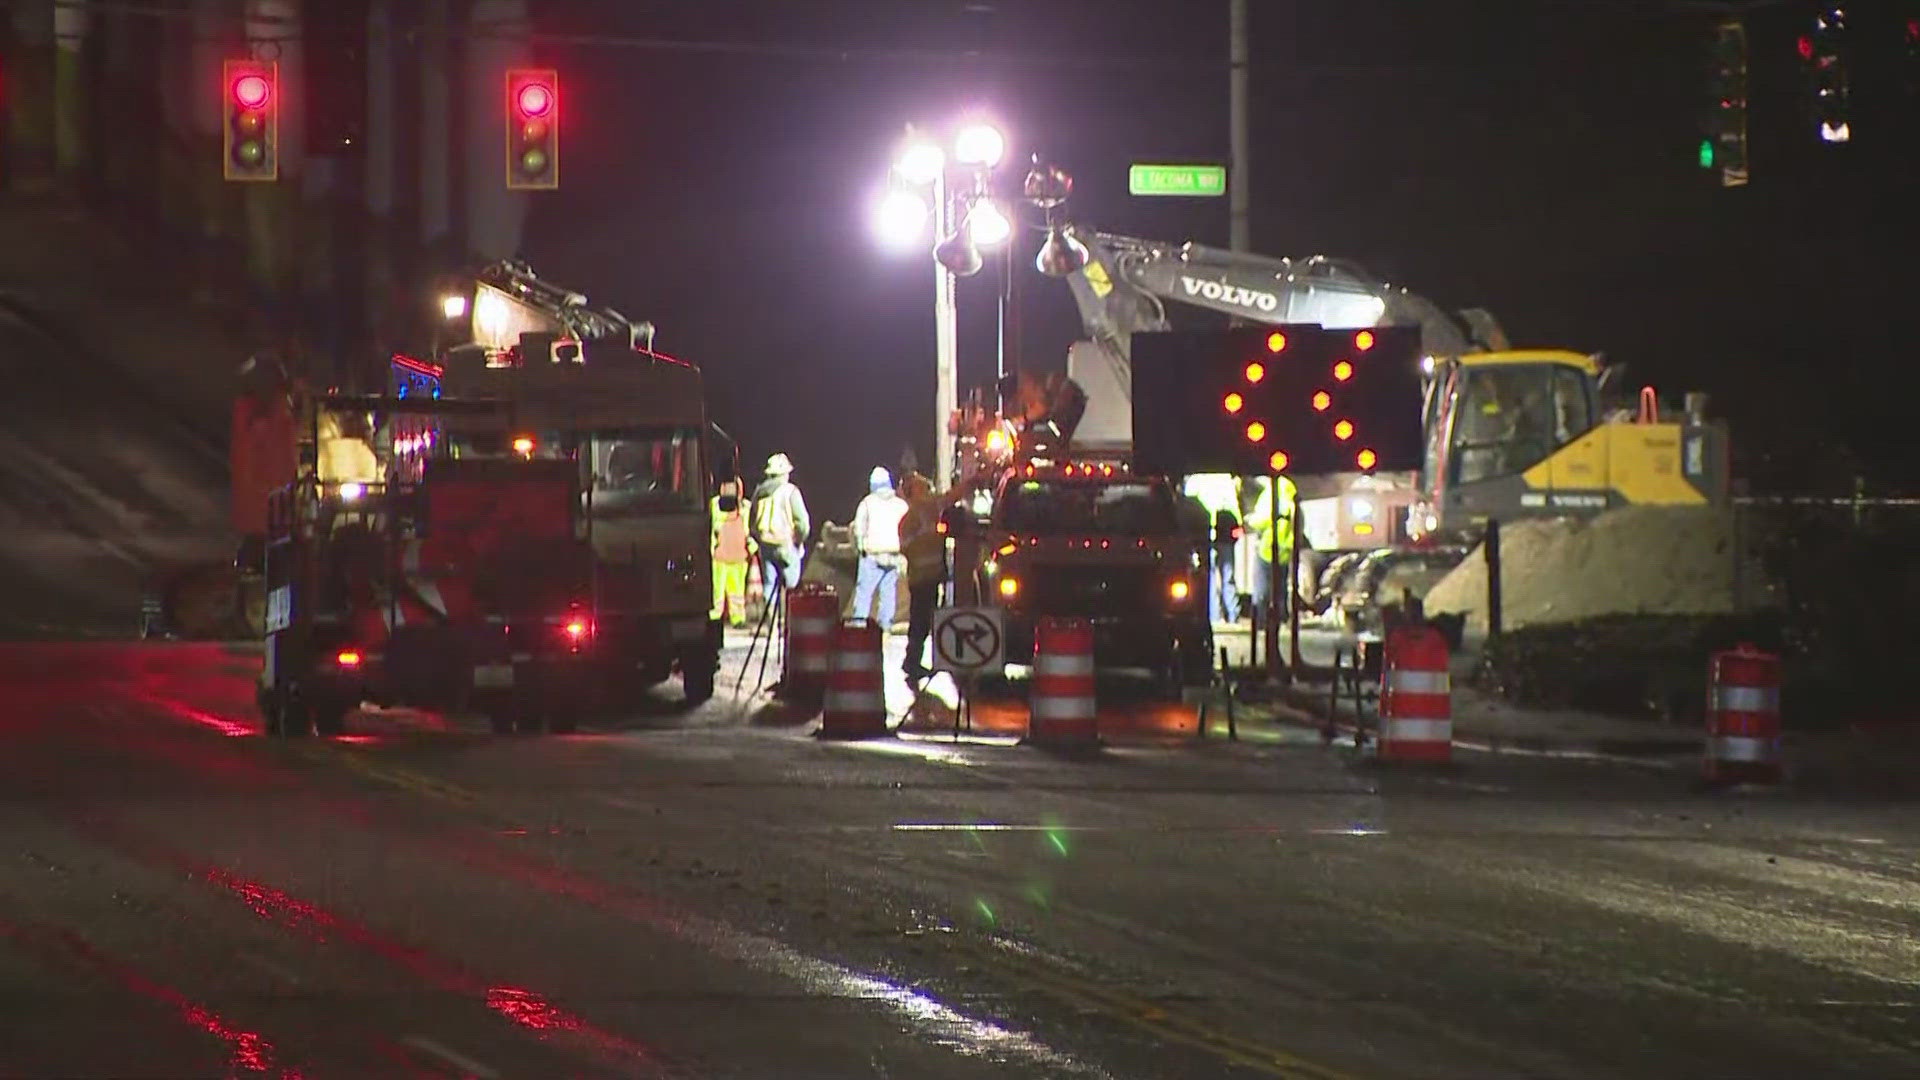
1632, 561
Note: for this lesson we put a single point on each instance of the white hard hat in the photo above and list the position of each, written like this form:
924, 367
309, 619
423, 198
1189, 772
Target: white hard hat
779, 465
879, 477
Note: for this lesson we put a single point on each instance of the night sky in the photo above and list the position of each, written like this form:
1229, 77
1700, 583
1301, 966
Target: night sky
1536, 159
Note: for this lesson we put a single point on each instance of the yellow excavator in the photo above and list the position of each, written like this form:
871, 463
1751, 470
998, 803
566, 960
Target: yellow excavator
1510, 433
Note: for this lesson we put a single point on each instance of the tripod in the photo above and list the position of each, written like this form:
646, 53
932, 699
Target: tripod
770, 628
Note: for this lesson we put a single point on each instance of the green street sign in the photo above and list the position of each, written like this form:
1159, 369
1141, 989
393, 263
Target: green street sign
1197, 180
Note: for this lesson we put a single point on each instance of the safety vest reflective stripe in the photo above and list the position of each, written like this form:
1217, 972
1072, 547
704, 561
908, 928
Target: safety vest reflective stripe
1758, 699
1049, 707
1419, 682
1400, 729
1742, 748
1069, 664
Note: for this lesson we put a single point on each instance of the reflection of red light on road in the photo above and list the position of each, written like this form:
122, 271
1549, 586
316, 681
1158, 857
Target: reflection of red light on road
523, 1007
529, 1010
231, 728
251, 1052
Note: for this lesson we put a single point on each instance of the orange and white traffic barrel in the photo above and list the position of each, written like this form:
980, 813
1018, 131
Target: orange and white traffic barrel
855, 706
1062, 708
1743, 717
1416, 697
813, 610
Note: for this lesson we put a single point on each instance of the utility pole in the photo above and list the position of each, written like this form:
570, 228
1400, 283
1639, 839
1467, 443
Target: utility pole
1238, 177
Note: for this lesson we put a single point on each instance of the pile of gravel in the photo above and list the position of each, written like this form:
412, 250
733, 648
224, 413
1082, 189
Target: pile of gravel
1633, 561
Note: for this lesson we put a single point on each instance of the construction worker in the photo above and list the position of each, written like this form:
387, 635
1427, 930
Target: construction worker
876, 538
926, 553
733, 549
1262, 534
780, 525
1220, 494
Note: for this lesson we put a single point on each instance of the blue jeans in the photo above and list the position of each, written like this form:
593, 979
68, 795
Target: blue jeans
1263, 581
1223, 594
874, 573
779, 565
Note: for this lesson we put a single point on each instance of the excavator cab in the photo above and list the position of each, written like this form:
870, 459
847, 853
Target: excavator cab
1522, 433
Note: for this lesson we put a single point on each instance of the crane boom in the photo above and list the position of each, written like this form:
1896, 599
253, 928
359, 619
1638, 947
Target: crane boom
565, 307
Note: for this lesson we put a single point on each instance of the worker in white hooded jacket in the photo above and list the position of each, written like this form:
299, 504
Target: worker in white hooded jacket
876, 536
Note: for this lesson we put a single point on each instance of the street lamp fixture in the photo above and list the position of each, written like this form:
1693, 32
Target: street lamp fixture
979, 145
454, 306
900, 220
920, 160
954, 190
989, 224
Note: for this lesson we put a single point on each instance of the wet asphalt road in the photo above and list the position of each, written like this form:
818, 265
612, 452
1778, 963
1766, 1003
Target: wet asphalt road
715, 894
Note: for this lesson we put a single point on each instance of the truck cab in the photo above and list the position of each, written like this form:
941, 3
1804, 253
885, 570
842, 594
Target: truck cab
1091, 540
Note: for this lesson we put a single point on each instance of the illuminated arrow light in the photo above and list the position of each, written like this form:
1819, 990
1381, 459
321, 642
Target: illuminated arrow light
1276, 341
1363, 340
1343, 430
1256, 371
1367, 459
1256, 431
1322, 401
1342, 371
1278, 461
1233, 403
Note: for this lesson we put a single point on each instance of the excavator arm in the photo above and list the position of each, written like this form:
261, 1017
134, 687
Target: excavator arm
1127, 281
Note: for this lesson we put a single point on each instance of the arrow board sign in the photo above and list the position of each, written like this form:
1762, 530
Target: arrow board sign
969, 640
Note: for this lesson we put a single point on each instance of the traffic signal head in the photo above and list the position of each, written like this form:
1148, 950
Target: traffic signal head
1724, 146
1824, 52
533, 129
250, 127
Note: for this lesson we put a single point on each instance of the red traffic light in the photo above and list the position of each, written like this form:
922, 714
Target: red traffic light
1804, 47
535, 99
252, 91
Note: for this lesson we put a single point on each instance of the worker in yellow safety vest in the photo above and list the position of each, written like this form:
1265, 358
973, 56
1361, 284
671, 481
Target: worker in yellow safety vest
733, 549
1266, 535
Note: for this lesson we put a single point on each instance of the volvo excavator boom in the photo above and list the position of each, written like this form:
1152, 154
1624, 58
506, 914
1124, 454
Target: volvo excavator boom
1127, 280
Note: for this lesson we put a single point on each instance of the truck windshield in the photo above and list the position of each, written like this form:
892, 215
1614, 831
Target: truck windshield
1048, 507
635, 471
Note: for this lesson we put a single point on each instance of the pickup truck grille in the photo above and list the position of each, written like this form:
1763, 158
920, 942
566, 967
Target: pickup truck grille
1093, 593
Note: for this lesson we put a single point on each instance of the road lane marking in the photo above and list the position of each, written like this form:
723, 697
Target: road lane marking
460, 1061
1156, 1019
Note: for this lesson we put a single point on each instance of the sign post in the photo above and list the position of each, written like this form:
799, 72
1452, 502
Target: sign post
968, 642
1202, 181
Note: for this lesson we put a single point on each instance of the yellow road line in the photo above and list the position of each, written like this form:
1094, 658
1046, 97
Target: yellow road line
398, 776
1157, 1020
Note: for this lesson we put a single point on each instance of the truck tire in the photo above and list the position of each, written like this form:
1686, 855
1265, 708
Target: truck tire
289, 717
330, 716
697, 683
